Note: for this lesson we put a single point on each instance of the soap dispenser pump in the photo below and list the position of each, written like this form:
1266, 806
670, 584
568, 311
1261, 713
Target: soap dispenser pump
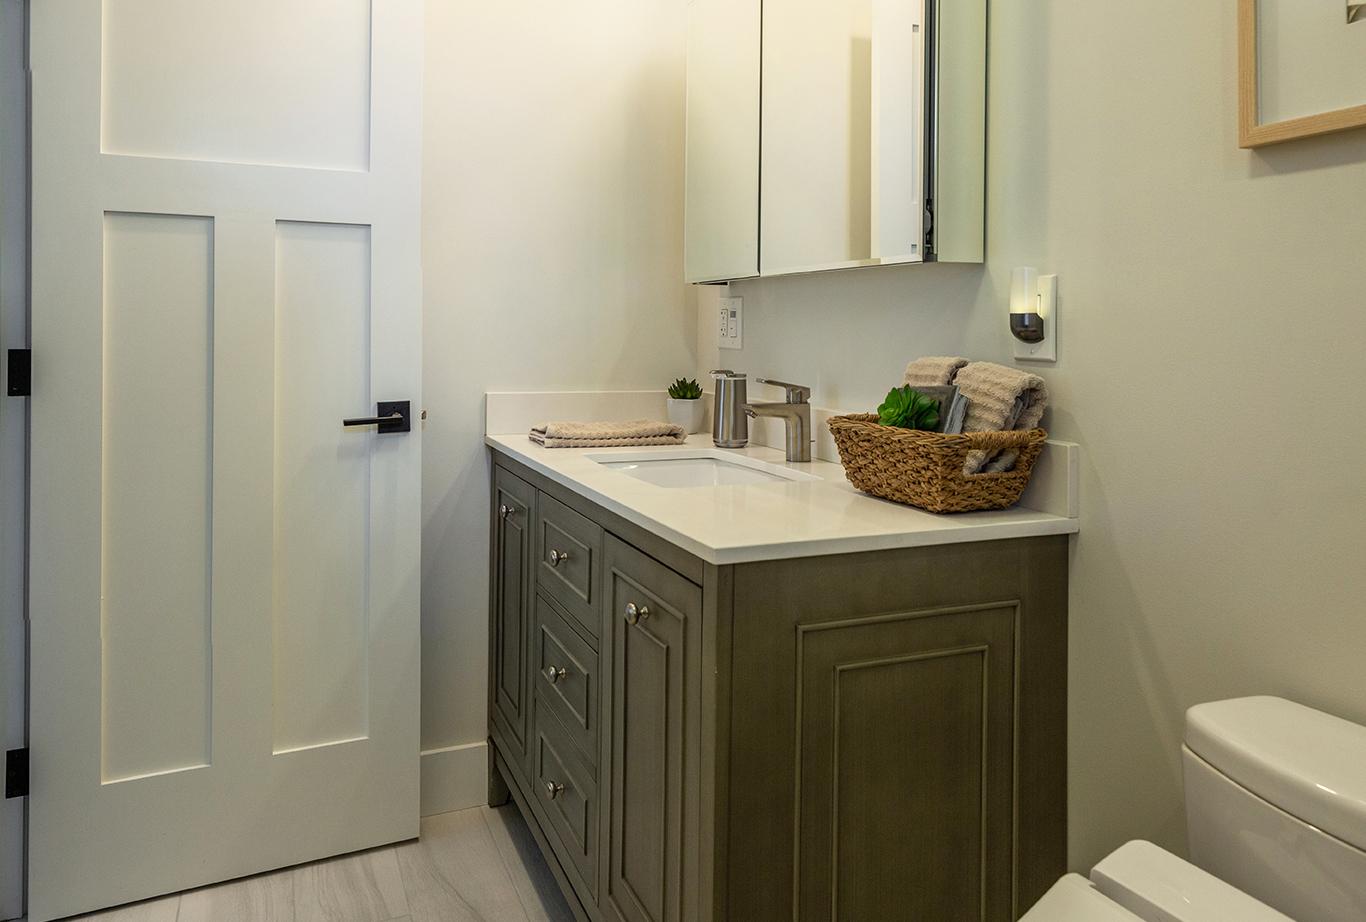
729, 424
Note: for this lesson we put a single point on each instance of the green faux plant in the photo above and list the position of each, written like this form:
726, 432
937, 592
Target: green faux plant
685, 389
907, 408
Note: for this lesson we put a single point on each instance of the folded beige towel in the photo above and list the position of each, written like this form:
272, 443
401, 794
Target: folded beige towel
608, 434
999, 398
932, 370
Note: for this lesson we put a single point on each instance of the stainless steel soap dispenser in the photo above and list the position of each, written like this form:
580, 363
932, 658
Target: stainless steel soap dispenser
730, 425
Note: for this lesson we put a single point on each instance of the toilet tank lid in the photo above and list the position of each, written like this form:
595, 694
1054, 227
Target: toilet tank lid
1306, 762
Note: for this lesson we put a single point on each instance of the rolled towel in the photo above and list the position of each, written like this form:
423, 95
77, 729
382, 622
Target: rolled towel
932, 370
999, 398
607, 434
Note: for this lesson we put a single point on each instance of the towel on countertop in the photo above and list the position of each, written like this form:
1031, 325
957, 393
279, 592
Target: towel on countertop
999, 399
630, 433
933, 370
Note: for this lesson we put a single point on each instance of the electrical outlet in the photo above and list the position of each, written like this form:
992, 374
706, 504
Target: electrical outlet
731, 323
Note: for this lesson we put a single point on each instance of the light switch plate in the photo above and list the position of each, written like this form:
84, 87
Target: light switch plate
1047, 349
731, 323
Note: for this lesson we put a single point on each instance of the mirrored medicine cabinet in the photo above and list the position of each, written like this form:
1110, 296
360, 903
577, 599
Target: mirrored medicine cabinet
834, 134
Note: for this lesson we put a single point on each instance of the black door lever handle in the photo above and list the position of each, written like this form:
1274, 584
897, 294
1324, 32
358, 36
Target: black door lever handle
391, 416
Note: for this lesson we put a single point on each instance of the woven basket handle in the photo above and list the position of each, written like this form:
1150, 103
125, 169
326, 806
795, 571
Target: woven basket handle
998, 441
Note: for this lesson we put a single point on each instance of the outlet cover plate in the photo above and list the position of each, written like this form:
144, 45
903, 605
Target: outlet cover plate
731, 323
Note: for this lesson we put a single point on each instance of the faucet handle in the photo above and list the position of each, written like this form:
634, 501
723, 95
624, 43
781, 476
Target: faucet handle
796, 393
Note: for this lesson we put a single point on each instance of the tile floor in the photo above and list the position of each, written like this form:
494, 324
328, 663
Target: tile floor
478, 865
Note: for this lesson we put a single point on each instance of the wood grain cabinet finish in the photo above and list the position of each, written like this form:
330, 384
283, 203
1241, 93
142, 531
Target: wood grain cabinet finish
569, 564
654, 623
904, 760
567, 679
567, 795
873, 736
510, 594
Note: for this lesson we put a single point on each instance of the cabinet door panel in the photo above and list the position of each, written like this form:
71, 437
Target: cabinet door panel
906, 752
652, 737
510, 596
721, 234
842, 171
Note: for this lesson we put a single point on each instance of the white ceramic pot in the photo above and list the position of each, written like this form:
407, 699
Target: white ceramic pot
690, 414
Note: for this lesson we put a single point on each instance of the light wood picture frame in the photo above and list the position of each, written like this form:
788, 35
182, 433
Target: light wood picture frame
1252, 133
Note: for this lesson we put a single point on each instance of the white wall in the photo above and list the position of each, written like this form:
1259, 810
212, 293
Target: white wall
1211, 365
552, 254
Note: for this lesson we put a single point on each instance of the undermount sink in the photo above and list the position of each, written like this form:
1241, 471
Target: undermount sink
697, 468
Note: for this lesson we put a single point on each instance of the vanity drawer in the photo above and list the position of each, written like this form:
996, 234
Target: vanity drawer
569, 561
567, 797
566, 678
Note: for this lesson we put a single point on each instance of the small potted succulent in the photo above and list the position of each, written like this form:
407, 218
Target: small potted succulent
686, 408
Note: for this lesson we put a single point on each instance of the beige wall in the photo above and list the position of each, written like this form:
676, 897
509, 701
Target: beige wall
1212, 364
552, 255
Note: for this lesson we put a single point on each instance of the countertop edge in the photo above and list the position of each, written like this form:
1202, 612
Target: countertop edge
1032, 524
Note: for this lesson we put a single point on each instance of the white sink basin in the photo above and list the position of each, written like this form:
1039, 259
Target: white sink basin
697, 468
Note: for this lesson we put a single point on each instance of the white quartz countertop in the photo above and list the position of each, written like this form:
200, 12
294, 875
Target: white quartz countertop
768, 521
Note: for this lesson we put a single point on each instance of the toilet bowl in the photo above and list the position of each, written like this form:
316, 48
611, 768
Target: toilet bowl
1276, 813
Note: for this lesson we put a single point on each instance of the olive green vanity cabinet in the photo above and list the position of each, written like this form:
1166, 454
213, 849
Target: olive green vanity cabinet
654, 620
510, 592
870, 736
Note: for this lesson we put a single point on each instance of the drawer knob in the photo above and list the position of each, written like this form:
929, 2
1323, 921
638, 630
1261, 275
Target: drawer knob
558, 557
504, 511
636, 613
554, 789
554, 674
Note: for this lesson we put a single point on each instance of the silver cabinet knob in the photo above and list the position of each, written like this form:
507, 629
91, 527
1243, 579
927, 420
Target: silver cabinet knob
554, 674
554, 789
558, 557
504, 510
636, 613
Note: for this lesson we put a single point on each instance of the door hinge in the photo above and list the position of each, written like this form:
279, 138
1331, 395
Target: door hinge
16, 773
929, 227
19, 380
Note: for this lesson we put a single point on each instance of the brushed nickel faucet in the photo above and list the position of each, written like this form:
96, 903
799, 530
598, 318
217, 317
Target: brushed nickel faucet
794, 411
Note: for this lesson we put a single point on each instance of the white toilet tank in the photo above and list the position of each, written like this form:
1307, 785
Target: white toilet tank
1276, 804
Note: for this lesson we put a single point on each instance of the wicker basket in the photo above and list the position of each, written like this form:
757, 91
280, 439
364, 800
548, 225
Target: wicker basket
925, 469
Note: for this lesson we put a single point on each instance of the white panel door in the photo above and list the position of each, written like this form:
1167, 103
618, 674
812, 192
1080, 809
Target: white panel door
224, 579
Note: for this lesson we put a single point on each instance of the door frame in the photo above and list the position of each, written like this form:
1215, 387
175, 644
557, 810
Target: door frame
14, 326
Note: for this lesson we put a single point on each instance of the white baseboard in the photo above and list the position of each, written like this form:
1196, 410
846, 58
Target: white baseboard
455, 778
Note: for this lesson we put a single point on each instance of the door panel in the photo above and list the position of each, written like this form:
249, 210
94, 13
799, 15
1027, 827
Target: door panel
224, 581
227, 106
721, 232
511, 599
905, 738
156, 487
653, 735
322, 483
